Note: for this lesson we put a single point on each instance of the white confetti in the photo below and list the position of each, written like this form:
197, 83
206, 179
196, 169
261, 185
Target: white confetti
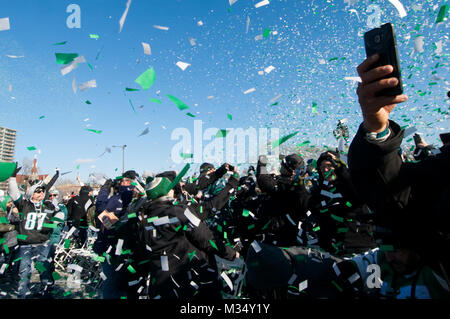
250, 91
227, 280
247, 24
399, 6
74, 85
87, 85
262, 3
72, 65
418, 44
191, 217
200, 23
124, 15
354, 277
119, 247
15, 56
147, 49
336, 269
256, 246
292, 279
4, 24
269, 69
182, 65
232, 2
303, 285
161, 27
164, 263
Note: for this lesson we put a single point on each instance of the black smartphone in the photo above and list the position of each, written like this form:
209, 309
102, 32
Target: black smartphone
382, 41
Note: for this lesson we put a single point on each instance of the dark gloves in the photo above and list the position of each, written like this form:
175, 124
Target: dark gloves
16, 171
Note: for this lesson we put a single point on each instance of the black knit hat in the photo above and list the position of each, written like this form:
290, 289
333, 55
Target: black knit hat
205, 167
168, 174
292, 162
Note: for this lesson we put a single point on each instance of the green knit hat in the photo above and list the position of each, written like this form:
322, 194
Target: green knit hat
6, 170
158, 187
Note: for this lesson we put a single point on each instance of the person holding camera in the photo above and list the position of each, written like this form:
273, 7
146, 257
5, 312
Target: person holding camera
411, 213
110, 210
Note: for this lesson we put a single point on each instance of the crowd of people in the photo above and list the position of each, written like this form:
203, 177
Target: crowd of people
375, 226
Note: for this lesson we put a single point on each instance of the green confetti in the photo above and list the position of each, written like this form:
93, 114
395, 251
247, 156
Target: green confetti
40, 267
155, 100
41, 117
60, 43
266, 225
94, 36
181, 106
131, 103
65, 58
213, 244
221, 133
56, 276
78, 166
283, 139
230, 117
336, 285
90, 66
387, 247
131, 89
31, 148
132, 215
342, 230
88, 102
332, 59
251, 226
190, 114
49, 225
314, 108
266, 33
348, 204
131, 269
146, 79
245, 213
21, 237
316, 228
337, 218
186, 155
94, 131
442, 13
304, 143
6, 248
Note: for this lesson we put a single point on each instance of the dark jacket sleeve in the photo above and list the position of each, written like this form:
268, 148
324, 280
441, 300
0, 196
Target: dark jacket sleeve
375, 168
203, 238
204, 180
50, 184
102, 200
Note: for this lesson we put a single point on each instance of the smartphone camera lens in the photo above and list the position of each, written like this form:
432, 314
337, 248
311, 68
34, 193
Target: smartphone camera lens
377, 39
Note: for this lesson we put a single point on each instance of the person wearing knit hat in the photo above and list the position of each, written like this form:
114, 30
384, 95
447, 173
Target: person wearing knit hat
181, 261
157, 188
35, 224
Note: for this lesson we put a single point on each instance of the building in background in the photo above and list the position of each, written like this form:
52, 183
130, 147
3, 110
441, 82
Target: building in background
7, 145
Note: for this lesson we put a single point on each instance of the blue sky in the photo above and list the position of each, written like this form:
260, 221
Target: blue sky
312, 46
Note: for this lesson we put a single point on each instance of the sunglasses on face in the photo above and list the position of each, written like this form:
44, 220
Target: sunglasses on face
53, 195
38, 191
